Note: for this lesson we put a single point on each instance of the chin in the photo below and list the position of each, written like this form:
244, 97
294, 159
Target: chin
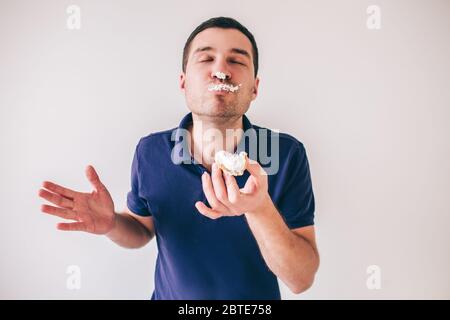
216, 112
217, 108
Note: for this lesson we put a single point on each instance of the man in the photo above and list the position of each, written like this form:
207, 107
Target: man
218, 236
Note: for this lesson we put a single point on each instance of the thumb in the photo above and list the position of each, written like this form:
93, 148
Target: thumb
93, 178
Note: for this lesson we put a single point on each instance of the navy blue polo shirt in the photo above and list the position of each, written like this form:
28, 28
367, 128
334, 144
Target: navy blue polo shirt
201, 258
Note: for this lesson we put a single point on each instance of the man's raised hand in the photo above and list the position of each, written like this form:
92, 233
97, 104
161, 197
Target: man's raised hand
93, 212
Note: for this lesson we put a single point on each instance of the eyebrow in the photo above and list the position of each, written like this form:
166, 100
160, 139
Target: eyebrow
233, 50
241, 51
202, 49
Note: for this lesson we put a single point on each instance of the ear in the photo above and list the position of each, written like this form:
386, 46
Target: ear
255, 89
182, 81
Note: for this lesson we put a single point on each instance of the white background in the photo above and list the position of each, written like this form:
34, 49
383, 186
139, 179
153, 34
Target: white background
370, 106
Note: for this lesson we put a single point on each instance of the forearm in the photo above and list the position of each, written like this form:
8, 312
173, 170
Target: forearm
128, 232
290, 257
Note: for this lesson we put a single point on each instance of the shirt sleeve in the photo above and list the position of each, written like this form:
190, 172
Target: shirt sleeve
297, 203
135, 202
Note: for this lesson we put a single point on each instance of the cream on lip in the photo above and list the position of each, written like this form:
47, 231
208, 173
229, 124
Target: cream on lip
222, 86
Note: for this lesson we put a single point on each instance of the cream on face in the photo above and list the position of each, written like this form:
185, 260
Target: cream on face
223, 86
220, 75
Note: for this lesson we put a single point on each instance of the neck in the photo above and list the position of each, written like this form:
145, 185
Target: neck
209, 135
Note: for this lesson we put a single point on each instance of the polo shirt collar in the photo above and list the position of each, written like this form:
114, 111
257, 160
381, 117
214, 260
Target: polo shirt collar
180, 134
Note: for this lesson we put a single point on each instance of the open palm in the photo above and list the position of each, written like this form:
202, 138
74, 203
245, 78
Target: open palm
93, 212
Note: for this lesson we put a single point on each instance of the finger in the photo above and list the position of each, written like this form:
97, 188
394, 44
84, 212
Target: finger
74, 226
208, 190
208, 212
56, 199
62, 213
68, 193
219, 185
255, 168
249, 187
234, 194
94, 179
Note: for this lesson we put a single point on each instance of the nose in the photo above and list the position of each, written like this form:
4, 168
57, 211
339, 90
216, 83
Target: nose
220, 69
220, 74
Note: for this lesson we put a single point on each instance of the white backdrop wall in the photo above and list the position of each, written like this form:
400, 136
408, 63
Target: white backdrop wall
372, 107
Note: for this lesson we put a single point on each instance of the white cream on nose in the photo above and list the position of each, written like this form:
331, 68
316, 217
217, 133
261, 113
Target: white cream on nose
220, 75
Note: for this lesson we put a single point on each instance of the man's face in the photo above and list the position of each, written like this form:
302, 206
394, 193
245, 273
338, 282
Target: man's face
227, 51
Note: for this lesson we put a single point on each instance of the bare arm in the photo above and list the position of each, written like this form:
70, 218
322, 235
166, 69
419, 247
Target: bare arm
291, 254
131, 230
94, 213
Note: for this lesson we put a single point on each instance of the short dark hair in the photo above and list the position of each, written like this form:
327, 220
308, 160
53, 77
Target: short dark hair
224, 23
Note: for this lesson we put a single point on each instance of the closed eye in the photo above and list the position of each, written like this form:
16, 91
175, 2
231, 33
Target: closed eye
237, 62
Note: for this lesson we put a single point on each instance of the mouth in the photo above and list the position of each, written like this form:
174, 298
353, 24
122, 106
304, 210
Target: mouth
223, 87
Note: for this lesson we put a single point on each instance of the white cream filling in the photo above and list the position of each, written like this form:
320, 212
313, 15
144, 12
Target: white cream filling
231, 162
